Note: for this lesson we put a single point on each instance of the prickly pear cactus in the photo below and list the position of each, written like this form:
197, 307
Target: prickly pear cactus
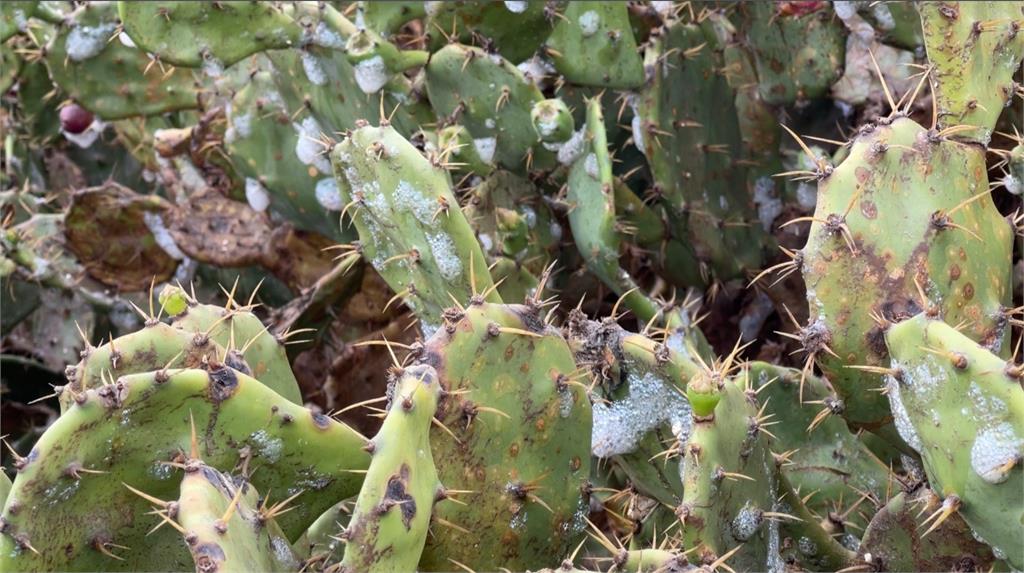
134, 430
975, 48
511, 431
950, 257
962, 408
409, 222
389, 524
224, 526
599, 312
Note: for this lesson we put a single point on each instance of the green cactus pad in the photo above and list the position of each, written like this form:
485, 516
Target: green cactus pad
246, 541
279, 159
593, 45
896, 541
720, 509
214, 34
519, 441
109, 78
491, 98
975, 49
410, 226
797, 56
392, 513
129, 429
962, 408
884, 220
244, 336
514, 29
710, 205
829, 459
591, 198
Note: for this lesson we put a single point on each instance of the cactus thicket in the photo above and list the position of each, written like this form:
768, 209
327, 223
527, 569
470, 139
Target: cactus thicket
614, 286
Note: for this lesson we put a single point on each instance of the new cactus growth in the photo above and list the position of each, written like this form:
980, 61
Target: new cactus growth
598, 311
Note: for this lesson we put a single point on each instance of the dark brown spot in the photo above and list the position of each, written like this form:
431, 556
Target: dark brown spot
968, 291
235, 360
869, 209
223, 383
513, 450
395, 494
954, 272
208, 557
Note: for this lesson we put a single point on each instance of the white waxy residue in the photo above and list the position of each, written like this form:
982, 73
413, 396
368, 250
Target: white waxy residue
314, 69
485, 147
620, 425
256, 194
125, 40
516, 6
155, 223
569, 151
308, 148
84, 42
371, 74
589, 22
995, 451
445, 255
327, 194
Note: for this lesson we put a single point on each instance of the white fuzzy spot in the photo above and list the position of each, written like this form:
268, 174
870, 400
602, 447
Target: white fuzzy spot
307, 146
589, 22
547, 125
314, 69
87, 137
445, 255
407, 198
619, 426
267, 446
556, 231
536, 69
155, 223
327, 194
883, 16
485, 147
994, 450
747, 522
590, 166
428, 329
529, 215
432, 7
663, 7
769, 206
1012, 184
900, 416
806, 196
125, 40
569, 151
256, 194
212, 67
84, 42
486, 242
516, 6
371, 75
638, 133
325, 37
241, 126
